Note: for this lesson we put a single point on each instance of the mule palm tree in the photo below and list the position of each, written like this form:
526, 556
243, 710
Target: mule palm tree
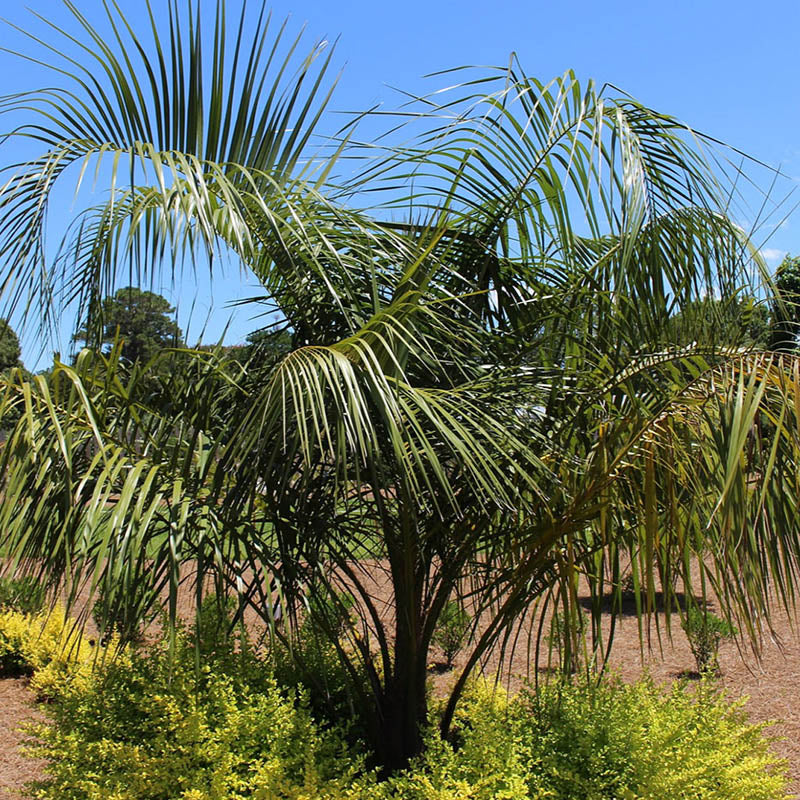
477, 404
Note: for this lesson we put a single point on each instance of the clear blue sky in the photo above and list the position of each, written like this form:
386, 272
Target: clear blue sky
730, 69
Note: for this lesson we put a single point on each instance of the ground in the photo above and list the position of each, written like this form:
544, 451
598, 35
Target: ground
772, 685
16, 706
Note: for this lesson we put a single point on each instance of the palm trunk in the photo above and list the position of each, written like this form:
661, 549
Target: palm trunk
403, 707
404, 714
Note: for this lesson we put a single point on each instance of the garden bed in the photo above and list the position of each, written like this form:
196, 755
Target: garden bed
770, 684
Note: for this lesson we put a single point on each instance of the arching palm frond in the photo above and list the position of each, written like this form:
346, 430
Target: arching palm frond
147, 108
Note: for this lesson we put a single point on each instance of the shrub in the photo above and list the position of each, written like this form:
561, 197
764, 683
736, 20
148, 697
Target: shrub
568, 644
153, 727
214, 642
329, 610
315, 665
25, 595
483, 761
119, 616
705, 632
46, 645
213, 630
451, 631
634, 741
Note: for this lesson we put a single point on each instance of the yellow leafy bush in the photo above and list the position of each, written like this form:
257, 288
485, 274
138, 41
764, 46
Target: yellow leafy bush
485, 759
151, 726
46, 645
638, 743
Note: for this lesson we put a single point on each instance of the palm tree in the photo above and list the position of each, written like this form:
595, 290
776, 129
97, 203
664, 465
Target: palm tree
477, 404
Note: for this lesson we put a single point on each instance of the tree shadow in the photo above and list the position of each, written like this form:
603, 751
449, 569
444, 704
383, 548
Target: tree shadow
626, 604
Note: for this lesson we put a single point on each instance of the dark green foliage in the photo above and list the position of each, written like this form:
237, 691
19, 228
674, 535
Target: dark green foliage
786, 306
329, 611
451, 631
213, 629
264, 348
124, 614
312, 662
220, 644
738, 321
566, 638
9, 358
141, 319
9, 347
25, 594
705, 632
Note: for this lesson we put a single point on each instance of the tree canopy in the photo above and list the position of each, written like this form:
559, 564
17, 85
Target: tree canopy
476, 403
142, 320
10, 350
738, 321
786, 306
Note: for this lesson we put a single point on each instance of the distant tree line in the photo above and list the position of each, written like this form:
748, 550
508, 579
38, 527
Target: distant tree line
741, 320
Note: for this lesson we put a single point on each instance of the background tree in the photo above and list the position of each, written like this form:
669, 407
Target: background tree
263, 348
141, 319
477, 403
785, 323
737, 321
10, 350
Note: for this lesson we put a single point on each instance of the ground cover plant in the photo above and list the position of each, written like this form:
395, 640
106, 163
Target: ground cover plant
484, 394
22, 594
705, 632
152, 725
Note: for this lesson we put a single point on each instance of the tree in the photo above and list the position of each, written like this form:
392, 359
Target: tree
10, 350
738, 321
143, 320
263, 348
785, 323
477, 402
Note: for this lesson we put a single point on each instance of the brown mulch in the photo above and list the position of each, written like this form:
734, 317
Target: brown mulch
772, 685
16, 707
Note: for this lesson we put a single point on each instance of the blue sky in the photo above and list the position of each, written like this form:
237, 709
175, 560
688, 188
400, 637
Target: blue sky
730, 69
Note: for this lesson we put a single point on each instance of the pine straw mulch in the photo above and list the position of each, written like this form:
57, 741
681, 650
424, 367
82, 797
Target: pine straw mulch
772, 685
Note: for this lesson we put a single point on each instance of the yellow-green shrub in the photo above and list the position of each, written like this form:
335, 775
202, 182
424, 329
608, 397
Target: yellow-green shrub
637, 743
570, 741
46, 645
150, 726
486, 759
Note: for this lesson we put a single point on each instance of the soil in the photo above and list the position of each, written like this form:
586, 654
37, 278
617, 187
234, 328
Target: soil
16, 707
771, 684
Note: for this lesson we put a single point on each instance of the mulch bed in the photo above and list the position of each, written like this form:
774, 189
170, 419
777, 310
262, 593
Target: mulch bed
772, 685
16, 706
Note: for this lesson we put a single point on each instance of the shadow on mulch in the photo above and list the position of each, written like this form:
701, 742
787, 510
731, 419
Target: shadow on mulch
627, 608
688, 675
